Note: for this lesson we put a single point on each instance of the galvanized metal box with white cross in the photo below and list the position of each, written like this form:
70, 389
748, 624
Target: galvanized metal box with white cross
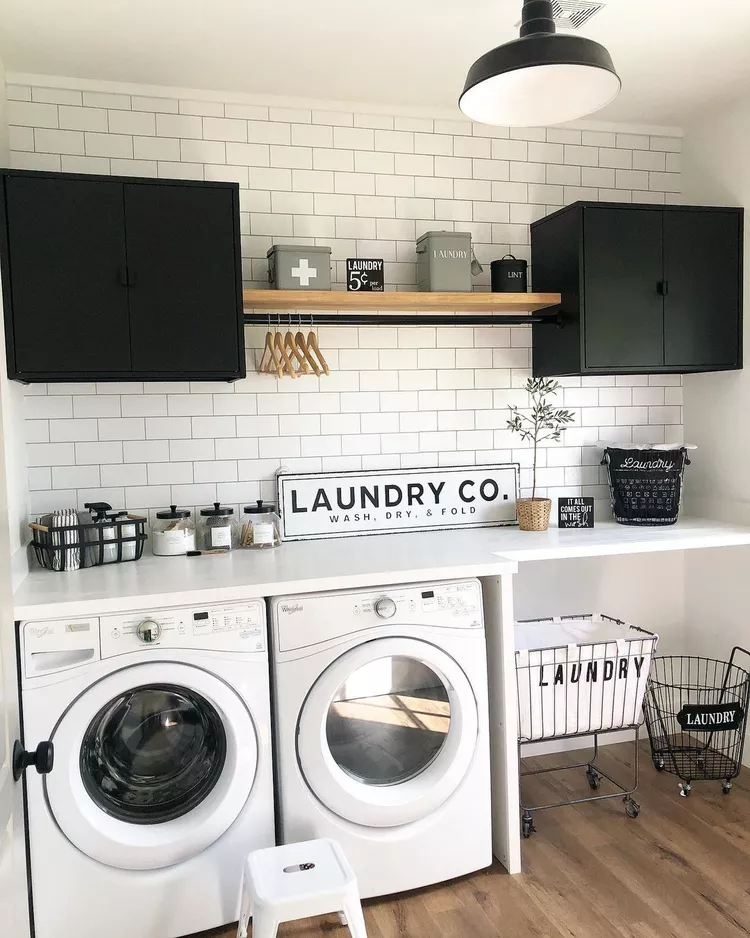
299, 267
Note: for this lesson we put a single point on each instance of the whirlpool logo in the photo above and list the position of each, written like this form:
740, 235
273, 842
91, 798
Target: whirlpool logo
290, 609
40, 632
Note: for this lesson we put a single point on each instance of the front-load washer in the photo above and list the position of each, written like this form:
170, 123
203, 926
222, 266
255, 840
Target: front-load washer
162, 779
380, 700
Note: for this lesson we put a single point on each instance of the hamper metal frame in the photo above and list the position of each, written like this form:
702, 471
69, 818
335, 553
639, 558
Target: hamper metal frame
680, 680
625, 788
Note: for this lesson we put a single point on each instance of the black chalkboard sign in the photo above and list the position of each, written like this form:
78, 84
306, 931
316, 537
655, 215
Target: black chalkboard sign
575, 512
364, 274
711, 718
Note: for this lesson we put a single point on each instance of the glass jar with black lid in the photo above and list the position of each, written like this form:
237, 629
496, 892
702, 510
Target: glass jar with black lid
262, 528
217, 528
173, 532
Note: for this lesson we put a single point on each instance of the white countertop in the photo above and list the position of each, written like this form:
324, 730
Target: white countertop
609, 538
342, 563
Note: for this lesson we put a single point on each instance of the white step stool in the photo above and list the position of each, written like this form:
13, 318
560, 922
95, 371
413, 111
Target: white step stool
282, 884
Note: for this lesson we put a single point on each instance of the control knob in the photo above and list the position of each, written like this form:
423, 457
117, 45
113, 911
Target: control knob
148, 631
385, 608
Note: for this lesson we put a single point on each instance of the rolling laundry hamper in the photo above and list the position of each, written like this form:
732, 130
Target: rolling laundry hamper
581, 676
696, 717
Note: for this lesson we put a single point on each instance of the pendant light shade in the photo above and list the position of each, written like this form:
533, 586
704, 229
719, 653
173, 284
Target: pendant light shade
540, 79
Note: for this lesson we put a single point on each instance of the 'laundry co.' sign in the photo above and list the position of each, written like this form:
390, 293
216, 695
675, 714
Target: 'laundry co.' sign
345, 504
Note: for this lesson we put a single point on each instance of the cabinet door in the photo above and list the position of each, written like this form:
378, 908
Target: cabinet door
65, 276
185, 301
623, 310
702, 264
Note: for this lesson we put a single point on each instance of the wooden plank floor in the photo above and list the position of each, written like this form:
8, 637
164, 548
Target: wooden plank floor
681, 870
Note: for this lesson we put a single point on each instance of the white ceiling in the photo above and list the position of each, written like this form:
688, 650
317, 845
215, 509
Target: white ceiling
674, 56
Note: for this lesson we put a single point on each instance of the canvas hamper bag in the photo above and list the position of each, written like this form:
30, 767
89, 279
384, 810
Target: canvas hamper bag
580, 674
645, 485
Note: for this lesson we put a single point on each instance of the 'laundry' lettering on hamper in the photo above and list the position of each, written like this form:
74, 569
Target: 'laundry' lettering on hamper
591, 672
630, 463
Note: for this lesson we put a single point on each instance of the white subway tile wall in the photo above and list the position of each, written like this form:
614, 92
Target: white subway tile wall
365, 185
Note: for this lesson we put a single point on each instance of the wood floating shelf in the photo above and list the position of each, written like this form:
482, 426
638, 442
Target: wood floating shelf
497, 303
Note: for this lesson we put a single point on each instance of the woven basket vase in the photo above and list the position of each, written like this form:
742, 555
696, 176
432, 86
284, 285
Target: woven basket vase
533, 513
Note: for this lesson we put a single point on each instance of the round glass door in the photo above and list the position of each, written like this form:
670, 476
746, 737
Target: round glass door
153, 753
154, 762
388, 721
387, 732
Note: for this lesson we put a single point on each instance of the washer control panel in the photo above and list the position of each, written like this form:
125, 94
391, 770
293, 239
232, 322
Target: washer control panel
301, 621
224, 627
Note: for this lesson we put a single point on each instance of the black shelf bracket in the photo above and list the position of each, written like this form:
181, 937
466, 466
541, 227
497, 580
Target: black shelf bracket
551, 315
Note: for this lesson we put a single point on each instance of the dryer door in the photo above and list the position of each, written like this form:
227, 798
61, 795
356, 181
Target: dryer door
387, 732
153, 764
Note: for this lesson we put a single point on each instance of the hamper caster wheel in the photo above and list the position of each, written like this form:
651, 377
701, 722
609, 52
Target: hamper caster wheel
593, 778
659, 764
685, 789
632, 808
726, 787
527, 826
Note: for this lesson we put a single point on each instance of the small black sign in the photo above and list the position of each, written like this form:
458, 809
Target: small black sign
575, 512
711, 718
364, 274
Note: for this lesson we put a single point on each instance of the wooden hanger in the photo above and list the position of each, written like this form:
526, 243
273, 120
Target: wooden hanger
270, 363
287, 368
301, 343
312, 342
302, 367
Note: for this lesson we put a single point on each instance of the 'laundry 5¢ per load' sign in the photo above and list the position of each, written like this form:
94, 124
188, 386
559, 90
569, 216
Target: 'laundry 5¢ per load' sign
364, 274
344, 504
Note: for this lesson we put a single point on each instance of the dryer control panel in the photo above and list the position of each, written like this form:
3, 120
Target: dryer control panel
301, 621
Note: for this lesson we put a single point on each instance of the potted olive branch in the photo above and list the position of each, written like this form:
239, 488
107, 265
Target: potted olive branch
543, 422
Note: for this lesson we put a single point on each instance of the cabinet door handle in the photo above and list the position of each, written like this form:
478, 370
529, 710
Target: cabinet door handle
122, 275
662, 287
131, 277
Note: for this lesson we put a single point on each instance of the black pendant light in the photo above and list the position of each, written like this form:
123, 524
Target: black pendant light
542, 78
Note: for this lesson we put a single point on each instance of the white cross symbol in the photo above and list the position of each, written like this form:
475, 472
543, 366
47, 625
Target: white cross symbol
304, 273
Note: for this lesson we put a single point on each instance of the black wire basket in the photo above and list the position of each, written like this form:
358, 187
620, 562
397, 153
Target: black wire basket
66, 547
645, 485
696, 716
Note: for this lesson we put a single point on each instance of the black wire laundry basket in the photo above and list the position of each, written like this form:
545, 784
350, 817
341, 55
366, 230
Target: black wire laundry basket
73, 546
696, 715
645, 485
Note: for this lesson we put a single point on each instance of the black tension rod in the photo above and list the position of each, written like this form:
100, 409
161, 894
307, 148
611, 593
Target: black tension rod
553, 317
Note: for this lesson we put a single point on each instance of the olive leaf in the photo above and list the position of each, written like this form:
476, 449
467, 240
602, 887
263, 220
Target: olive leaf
543, 422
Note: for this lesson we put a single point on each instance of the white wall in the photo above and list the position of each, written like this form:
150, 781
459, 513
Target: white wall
13, 565
366, 185
716, 160
12, 403
717, 171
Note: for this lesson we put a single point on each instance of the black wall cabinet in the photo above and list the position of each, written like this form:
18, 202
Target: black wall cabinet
645, 289
111, 278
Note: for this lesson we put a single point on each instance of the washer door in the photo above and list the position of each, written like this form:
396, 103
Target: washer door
153, 764
387, 732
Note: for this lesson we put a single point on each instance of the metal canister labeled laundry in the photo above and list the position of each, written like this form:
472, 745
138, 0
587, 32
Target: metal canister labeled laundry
508, 275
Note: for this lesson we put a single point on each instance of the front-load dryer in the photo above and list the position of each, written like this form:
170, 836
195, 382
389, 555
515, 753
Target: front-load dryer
162, 779
381, 729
